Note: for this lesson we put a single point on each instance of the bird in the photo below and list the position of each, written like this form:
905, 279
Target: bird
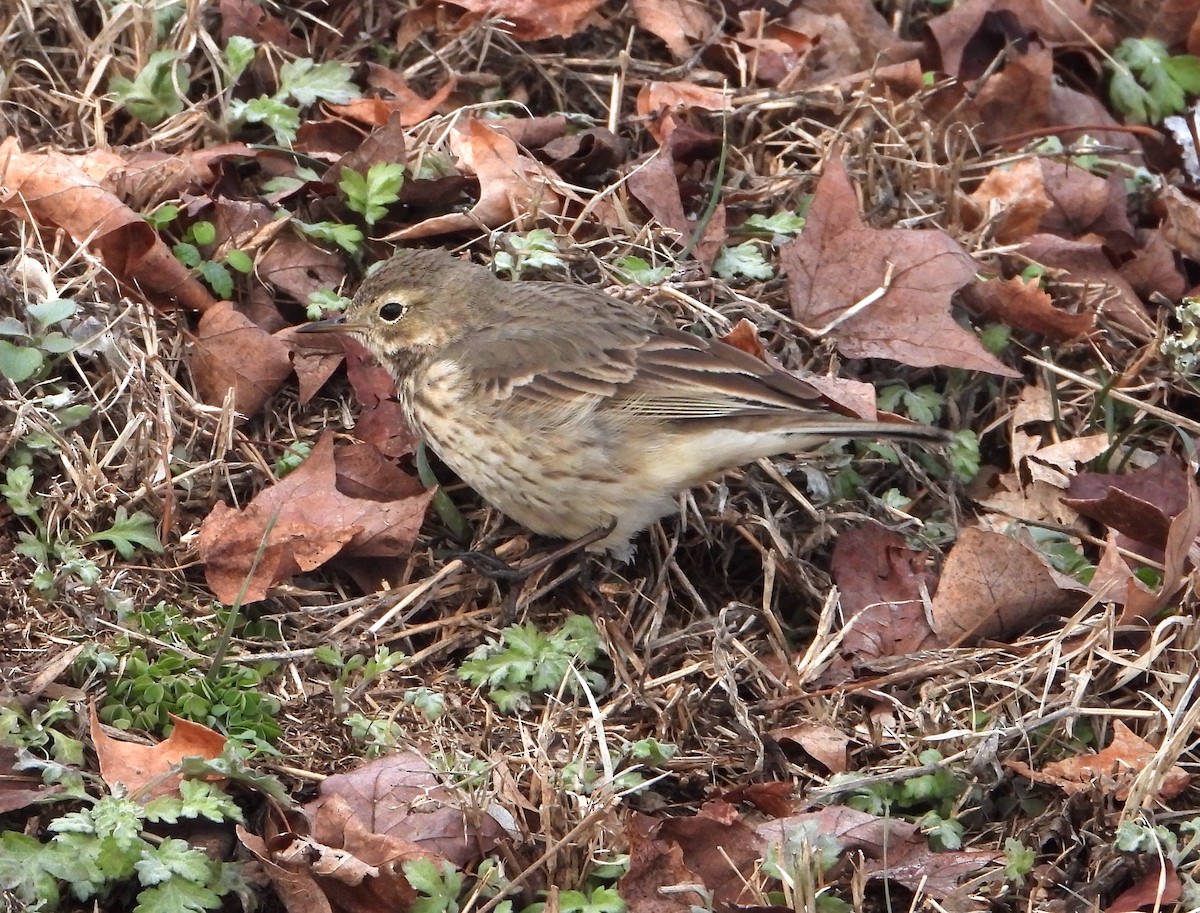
569, 410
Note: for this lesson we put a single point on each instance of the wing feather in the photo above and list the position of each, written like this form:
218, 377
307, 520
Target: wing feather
607, 351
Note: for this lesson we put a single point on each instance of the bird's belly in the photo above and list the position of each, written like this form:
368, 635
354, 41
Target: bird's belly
555, 480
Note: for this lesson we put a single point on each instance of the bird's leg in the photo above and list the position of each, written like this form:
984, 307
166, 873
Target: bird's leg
494, 567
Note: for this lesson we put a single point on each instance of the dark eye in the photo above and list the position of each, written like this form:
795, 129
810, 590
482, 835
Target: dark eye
392, 311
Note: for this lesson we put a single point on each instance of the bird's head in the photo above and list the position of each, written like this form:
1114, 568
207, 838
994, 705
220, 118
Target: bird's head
418, 300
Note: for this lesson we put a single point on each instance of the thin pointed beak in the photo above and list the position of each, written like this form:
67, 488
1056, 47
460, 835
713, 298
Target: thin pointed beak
338, 324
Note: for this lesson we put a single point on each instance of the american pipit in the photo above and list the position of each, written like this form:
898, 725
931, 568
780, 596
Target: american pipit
569, 410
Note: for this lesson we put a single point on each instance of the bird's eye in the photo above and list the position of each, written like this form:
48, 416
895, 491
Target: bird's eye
392, 311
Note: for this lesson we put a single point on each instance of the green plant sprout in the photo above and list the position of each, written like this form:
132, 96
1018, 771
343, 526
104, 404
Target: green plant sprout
634, 270
537, 249
378, 735
215, 272
157, 92
381, 663
59, 559
40, 345
103, 849
370, 195
323, 302
745, 259
927, 799
302, 83
292, 458
525, 662
1148, 83
348, 237
778, 227
151, 686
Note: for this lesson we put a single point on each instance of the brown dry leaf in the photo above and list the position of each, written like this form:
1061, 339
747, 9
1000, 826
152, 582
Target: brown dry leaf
587, 153
1014, 199
313, 521
372, 382
717, 849
1150, 265
1086, 264
1158, 888
532, 20
883, 586
776, 798
336, 825
890, 848
1112, 770
1173, 18
297, 266
1114, 579
1042, 195
769, 50
744, 336
150, 176
247, 19
54, 191
382, 421
1033, 502
146, 767
398, 796
657, 188
837, 262
315, 358
852, 36
294, 884
339, 865
1025, 305
825, 744
995, 587
1181, 229
511, 185
232, 353
717, 845
1156, 511
1085, 203
968, 36
1140, 504
658, 101
385, 427
683, 25
1059, 463
532, 132
655, 861
412, 108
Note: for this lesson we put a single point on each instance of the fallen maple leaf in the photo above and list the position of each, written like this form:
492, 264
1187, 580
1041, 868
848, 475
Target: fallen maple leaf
399, 796
306, 520
656, 187
533, 20
53, 190
148, 767
994, 586
965, 36
511, 185
1112, 770
883, 586
1025, 305
678, 23
657, 101
231, 352
838, 263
